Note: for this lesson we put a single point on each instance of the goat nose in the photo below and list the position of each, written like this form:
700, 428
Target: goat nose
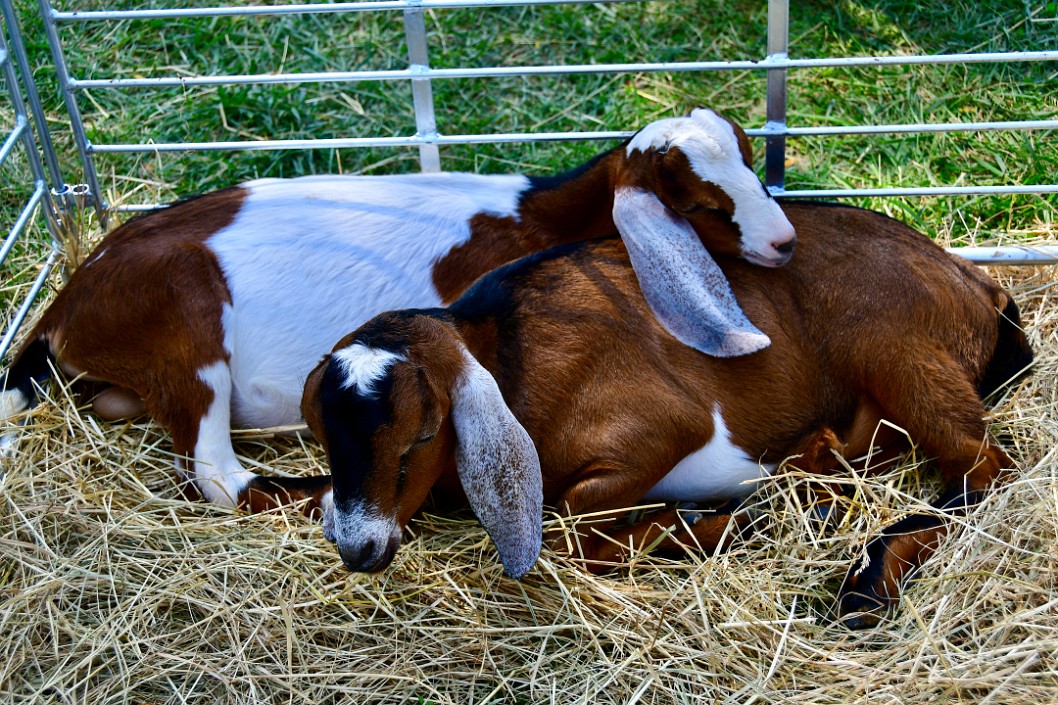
785, 248
358, 558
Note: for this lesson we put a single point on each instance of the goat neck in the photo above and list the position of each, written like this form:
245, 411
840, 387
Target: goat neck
555, 210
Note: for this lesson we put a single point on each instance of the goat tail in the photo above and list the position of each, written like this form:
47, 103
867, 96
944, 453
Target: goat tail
1012, 358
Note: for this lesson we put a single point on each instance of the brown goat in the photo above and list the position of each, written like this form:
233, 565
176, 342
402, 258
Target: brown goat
870, 320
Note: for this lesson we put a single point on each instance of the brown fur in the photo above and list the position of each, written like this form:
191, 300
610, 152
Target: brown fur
177, 275
579, 209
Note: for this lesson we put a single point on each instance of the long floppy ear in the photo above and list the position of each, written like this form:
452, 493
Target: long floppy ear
681, 282
498, 467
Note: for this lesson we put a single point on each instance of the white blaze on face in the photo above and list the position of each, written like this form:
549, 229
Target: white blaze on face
711, 147
363, 366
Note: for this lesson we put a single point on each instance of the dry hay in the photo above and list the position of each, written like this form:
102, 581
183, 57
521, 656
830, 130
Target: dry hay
114, 589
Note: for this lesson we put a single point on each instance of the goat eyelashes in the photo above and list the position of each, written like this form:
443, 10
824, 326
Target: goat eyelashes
869, 321
212, 312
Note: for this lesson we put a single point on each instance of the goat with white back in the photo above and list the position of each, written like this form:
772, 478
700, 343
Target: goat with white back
211, 312
550, 382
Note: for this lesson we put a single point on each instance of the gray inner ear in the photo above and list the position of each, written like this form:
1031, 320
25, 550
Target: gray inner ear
499, 468
682, 283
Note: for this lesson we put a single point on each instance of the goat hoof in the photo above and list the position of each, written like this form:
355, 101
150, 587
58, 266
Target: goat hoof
864, 595
857, 610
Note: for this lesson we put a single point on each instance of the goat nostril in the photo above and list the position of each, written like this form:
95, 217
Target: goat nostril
787, 247
366, 553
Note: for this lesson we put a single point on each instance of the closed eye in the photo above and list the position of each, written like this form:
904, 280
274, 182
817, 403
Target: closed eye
402, 470
422, 440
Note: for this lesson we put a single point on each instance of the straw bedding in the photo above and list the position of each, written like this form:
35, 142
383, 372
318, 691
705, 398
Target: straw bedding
115, 589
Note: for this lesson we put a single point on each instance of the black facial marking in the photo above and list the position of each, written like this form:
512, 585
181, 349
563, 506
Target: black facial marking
385, 332
350, 420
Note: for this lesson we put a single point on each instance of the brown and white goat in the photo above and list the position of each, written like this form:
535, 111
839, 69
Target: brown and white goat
550, 382
212, 312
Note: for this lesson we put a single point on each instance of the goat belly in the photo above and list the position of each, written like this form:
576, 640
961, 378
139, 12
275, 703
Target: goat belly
717, 470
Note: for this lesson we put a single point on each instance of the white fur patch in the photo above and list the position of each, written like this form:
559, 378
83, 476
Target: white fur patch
12, 401
363, 366
307, 260
217, 472
717, 470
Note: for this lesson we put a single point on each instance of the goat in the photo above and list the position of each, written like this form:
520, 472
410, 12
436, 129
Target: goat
211, 312
549, 381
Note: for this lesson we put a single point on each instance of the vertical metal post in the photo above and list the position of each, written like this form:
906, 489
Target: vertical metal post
778, 42
84, 147
421, 91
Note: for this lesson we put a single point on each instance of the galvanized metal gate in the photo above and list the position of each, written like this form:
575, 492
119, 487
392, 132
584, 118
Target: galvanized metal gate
774, 60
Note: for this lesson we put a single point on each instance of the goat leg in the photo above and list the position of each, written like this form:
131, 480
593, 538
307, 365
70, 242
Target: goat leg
897, 554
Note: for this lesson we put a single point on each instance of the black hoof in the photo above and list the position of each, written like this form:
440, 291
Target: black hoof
857, 610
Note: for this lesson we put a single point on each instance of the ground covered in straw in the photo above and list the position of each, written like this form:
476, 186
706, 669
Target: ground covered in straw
114, 589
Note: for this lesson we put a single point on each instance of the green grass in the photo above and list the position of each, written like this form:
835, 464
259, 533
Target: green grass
658, 31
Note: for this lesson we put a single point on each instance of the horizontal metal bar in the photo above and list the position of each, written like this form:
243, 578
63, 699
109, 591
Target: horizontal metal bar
909, 60
420, 72
27, 304
138, 207
346, 142
317, 9
23, 218
910, 128
918, 191
503, 138
1008, 255
582, 69
21, 125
